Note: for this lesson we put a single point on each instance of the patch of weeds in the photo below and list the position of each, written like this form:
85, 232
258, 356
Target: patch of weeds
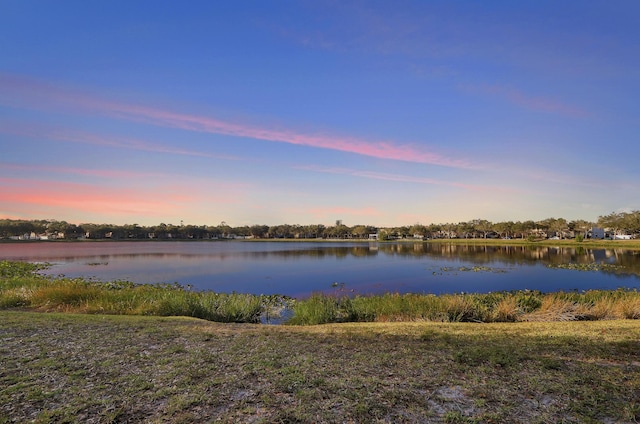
631, 412
496, 356
480, 403
176, 349
48, 416
551, 363
183, 401
113, 415
309, 394
292, 414
38, 394
456, 417
291, 379
367, 410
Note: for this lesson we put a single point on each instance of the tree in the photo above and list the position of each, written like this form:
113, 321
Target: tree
628, 222
481, 225
360, 231
313, 231
259, 231
433, 230
504, 229
418, 230
73, 232
224, 229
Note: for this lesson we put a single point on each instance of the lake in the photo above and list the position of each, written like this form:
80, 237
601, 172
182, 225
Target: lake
300, 268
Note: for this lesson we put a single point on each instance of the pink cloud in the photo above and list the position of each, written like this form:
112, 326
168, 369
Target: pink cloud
385, 150
74, 136
538, 103
25, 92
159, 187
24, 194
46, 198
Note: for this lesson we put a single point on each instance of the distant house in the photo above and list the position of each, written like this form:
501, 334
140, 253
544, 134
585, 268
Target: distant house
597, 233
373, 236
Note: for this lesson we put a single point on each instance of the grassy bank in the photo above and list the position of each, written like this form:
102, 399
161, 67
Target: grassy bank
103, 369
21, 287
490, 307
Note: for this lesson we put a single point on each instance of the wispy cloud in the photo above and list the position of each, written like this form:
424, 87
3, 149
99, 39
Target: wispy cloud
537, 103
84, 137
389, 177
384, 150
24, 92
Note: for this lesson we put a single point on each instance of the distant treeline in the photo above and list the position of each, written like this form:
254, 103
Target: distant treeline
615, 223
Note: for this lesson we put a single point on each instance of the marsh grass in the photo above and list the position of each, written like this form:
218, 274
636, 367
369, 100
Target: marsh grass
21, 287
469, 307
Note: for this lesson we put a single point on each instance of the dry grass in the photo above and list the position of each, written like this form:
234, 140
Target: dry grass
470, 307
558, 309
106, 369
507, 310
628, 308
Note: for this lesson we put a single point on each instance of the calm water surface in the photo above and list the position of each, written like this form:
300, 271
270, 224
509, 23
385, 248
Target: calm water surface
298, 269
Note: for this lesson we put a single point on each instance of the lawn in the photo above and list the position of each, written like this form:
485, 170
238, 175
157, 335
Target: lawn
119, 368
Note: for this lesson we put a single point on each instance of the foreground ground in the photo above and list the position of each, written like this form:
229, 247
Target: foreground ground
101, 369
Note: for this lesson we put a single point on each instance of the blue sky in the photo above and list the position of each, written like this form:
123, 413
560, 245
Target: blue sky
267, 112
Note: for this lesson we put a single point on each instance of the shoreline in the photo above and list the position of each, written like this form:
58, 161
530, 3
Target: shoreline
589, 243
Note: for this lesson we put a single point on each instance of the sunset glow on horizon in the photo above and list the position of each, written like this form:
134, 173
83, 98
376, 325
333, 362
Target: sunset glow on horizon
301, 112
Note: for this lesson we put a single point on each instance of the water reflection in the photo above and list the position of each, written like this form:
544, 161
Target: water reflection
300, 268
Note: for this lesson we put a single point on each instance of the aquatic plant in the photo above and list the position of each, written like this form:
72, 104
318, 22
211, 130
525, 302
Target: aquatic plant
591, 266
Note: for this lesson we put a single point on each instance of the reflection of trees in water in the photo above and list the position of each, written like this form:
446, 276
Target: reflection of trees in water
476, 254
508, 255
319, 252
628, 260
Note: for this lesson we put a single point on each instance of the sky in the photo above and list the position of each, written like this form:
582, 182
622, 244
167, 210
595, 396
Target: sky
383, 113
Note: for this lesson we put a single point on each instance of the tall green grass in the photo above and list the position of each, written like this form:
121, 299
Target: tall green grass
20, 287
490, 307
